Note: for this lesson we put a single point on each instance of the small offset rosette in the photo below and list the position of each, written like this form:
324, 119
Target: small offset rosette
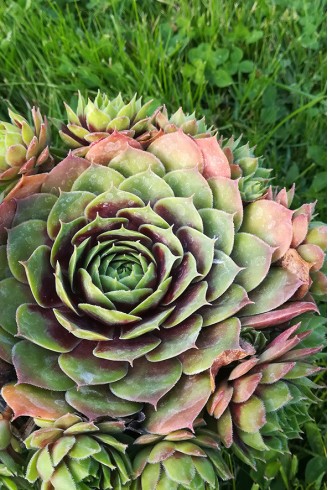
181, 460
78, 455
24, 154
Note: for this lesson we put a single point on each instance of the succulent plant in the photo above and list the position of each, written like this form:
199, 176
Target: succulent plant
95, 120
24, 152
137, 279
253, 178
181, 460
248, 395
12, 457
73, 454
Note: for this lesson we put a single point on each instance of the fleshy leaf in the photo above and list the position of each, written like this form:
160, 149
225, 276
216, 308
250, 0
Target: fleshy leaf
7, 343
274, 396
40, 276
150, 476
254, 255
272, 222
132, 161
180, 468
26, 186
182, 276
216, 343
7, 214
280, 315
126, 350
109, 203
244, 387
220, 400
82, 328
250, 415
179, 211
176, 340
219, 225
61, 448
147, 186
232, 301
177, 151
226, 197
189, 182
97, 179
180, 407
142, 216
85, 369
62, 478
161, 451
39, 325
37, 206
225, 428
99, 402
23, 239
147, 381
216, 163
271, 373
165, 236
148, 324
221, 276
108, 317
12, 295
68, 207
35, 402
187, 304
39, 367
196, 243
277, 288
4, 266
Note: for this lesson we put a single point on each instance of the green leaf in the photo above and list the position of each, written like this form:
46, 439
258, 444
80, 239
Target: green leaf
98, 401
315, 471
12, 295
220, 56
236, 54
84, 368
246, 66
39, 367
35, 402
180, 407
23, 239
84, 447
221, 78
147, 381
180, 468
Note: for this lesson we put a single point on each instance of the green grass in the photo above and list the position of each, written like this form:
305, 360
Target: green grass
252, 67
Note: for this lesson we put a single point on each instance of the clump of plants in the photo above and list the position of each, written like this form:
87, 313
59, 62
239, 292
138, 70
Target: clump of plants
151, 293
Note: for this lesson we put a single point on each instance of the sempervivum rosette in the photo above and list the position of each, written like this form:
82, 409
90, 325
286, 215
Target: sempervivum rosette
248, 395
24, 153
13, 459
144, 272
181, 460
95, 120
69, 453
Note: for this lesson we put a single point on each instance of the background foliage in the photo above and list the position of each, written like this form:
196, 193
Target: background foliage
252, 67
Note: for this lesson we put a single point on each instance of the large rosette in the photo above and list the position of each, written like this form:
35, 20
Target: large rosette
130, 274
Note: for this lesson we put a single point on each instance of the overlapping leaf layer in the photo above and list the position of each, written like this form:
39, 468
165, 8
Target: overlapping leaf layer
153, 277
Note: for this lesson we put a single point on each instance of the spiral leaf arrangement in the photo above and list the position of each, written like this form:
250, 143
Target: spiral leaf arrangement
149, 286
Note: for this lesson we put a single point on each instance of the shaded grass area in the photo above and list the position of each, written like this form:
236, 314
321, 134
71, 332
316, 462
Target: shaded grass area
256, 68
